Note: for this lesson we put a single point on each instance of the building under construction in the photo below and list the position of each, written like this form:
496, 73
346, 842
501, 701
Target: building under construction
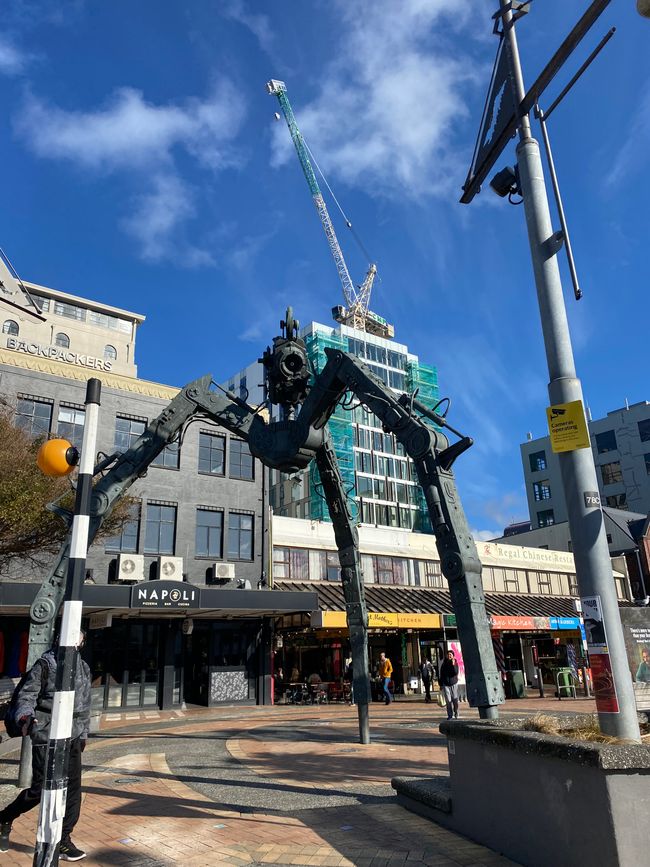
375, 469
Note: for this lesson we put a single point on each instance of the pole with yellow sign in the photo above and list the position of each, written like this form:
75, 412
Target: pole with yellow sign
613, 688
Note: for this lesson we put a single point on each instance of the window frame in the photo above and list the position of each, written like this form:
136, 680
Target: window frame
206, 510
201, 446
542, 464
112, 547
239, 530
8, 327
611, 476
242, 451
32, 432
154, 504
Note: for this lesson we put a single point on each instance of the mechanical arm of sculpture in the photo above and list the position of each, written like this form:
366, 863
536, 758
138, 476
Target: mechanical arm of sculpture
306, 401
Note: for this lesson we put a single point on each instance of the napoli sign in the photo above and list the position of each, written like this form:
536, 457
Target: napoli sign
164, 594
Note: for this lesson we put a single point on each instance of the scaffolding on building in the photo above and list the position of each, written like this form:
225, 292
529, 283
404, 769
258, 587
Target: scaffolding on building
424, 379
341, 429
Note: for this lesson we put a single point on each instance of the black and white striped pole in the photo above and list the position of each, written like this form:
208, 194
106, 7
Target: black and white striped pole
55, 784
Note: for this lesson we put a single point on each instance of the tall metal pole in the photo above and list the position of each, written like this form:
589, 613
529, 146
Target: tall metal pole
55, 786
615, 704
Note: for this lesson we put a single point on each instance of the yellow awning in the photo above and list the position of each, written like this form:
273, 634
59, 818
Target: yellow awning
377, 620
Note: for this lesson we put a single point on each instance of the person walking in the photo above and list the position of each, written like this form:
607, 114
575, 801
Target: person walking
449, 682
34, 713
427, 674
385, 670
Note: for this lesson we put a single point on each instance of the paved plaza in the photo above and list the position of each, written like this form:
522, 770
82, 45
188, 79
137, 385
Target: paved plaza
261, 785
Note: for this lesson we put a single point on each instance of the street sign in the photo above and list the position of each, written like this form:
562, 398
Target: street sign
567, 426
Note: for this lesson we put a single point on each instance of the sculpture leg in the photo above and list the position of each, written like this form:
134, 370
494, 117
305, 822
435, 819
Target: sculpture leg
461, 567
347, 541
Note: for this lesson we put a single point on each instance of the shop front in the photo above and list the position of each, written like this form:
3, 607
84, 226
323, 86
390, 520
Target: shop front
528, 649
320, 646
160, 644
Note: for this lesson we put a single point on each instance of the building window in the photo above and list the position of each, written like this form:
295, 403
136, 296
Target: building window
390, 570
127, 431
616, 501
606, 442
212, 454
542, 490
62, 340
644, 430
10, 326
71, 311
127, 541
611, 473
33, 416
70, 424
545, 518
291, 564
104, 320
169, 457
240, 536
160, 529
537, 461
433, 574
647, 463
573, 585
544, 583
209, 533
241, 464
243, 389
110, 352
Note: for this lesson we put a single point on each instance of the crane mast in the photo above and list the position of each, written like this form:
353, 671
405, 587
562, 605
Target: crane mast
357, 299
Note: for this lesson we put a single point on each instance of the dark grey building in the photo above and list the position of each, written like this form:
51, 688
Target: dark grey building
200, 515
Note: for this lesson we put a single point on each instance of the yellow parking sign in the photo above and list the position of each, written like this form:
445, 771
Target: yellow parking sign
567, 426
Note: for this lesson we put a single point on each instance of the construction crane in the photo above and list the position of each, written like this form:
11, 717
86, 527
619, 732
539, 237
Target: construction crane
357, 298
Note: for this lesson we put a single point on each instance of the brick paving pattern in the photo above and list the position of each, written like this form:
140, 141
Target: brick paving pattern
137, 812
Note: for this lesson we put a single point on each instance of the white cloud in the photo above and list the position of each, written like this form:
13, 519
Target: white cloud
390, 105
154, 222
259, 25
12, 60
130, 135
129, 132
486, 535
632, 156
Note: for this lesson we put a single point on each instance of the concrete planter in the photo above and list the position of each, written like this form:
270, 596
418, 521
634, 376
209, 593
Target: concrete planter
540, 799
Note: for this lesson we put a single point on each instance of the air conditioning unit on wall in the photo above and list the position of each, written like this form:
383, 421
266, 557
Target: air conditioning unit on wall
222, 573
170, 568
130, 567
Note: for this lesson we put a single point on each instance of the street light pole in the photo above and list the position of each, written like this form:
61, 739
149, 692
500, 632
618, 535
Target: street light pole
616, 707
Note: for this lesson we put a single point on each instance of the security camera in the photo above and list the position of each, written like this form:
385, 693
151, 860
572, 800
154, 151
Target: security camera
506, 182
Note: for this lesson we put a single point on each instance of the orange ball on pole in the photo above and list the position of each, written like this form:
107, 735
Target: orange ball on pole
57, 457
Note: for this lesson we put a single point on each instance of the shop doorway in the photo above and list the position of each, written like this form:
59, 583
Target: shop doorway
124, 666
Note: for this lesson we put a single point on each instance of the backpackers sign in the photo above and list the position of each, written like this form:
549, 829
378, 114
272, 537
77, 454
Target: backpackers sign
164, 594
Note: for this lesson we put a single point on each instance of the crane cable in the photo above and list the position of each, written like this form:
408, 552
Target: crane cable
348, 222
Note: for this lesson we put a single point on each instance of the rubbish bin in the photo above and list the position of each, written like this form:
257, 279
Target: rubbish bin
565, 682
515, 684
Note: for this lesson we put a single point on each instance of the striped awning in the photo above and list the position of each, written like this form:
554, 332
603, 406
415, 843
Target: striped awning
385, 599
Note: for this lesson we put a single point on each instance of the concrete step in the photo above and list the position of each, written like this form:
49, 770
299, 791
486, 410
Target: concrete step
424, 795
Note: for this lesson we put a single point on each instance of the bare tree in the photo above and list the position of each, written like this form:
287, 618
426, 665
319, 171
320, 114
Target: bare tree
28, 530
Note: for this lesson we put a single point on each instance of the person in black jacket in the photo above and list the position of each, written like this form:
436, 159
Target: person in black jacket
427, 674
34, 712
449, 683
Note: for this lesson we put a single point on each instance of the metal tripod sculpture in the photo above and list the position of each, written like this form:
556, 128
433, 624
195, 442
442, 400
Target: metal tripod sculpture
306, 403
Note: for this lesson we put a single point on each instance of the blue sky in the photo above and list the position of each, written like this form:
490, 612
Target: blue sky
142, 166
